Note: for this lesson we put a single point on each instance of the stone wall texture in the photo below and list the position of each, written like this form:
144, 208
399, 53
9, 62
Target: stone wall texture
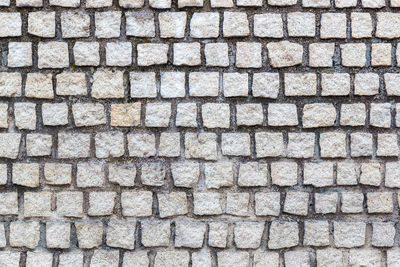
230, 133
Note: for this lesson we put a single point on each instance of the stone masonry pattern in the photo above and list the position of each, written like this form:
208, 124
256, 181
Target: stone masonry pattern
203, 133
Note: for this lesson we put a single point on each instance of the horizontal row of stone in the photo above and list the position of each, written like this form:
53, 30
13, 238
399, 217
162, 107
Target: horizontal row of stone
213, 115
140, 203
191, 174
166, 4
205, 258
204, 145
109, 24
190, 233
107, 83
248, 54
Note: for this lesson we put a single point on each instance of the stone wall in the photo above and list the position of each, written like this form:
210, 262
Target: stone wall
200, 133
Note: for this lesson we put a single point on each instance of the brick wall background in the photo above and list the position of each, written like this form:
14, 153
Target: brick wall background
199, 133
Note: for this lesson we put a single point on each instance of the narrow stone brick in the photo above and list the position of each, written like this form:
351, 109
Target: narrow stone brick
55, 114
301, 145
283, 235
140, 24
108, 24
198, 87
253, 174
25, 174
172, 24
75, 24
136, 203
42, 24
326, 203
189, 233
300, 84
138, 257
109, 144
248, 234
217, 234
282, 115
170, 258
151, 54
86, 53
10, 144
24, 234
141, 145
235, 84
71, 83
39, 85
269, 144
285, 54
207, 203
333, 25
155, 233
301, 24
89, 234
318, 174
153, 174
19, 54
335, 84
90, 175
10, 24
235, 24
73, 145
10, 84
201, 145
204, 25
70, 204
364, 256
296, 203
108, 84
361, 25
268, 25
267, 203
101, 203
172, 204
39, 258
58, 235
53, 55
349, 234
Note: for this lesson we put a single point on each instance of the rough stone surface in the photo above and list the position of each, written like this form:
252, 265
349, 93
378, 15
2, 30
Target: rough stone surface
53, 55
199, 133
75, 24
285, 54
42, 24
